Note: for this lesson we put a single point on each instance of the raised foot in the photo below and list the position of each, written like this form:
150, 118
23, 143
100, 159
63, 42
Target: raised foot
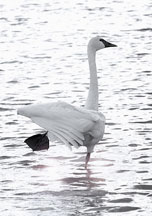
38, 142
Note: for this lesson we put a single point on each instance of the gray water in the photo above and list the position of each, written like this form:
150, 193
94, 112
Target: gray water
43, 58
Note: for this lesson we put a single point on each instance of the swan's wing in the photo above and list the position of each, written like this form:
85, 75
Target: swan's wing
63, 121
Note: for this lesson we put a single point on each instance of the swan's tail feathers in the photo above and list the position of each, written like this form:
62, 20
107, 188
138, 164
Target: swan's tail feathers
38, 142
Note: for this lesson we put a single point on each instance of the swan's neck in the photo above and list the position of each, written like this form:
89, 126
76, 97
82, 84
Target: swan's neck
92, 100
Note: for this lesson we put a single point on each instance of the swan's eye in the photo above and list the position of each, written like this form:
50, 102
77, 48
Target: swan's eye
102, 40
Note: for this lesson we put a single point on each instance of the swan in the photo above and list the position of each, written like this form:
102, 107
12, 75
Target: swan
63, 122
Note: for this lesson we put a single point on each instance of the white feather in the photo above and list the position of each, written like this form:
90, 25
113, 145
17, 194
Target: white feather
66, 122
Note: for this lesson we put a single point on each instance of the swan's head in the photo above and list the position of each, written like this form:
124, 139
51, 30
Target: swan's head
98, 43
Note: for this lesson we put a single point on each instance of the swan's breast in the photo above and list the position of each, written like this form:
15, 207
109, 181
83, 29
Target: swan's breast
94, 135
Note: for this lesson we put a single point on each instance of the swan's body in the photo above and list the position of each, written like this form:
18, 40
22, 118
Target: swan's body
67, 123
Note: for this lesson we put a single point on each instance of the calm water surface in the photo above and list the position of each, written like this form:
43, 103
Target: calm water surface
43, 58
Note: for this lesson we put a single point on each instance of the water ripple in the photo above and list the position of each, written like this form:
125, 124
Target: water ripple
43, 58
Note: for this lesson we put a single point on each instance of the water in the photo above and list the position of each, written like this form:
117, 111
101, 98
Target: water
43, 58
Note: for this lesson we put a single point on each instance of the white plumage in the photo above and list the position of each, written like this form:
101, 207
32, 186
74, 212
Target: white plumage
68, 124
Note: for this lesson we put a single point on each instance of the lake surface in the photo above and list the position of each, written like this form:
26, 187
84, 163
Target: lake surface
43, 58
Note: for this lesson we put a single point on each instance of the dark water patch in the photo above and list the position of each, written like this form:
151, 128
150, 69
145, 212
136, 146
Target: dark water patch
39, 184
24, 100
5, 138
17, 23
11, 62
55, 93
5, 157
23, 162
142, 171
23, 137
146, 109
23, 104
143, 187
45, 83
145, 162
102, 159
133, 145
6, 181
10, 114
111, 145
147, 179
79, 173
4, 109
83, 181
8, 189
144, 149
141, 157
34, 87
11, 123
29, 154
123, 209
122, 171
86, 193
143, 132
98, 210
8, 98
142, 122
142, 54
128, 89
144, 29
25, 194
133, 193
60, 157
96, 8
122, 200
147, 138
117, 128
3, 18
147, 72
39, 167
12, 146
126, 129
67, 193
41, 209
38, 57
77, 90
111, 123
12, 81
133, 108
140, 95
149, 93
108, 165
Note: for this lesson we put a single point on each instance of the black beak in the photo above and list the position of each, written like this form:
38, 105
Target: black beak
107, 44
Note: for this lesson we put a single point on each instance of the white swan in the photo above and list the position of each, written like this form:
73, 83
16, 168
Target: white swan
67, 123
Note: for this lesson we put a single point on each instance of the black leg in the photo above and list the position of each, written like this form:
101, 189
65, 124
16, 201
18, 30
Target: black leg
87, 159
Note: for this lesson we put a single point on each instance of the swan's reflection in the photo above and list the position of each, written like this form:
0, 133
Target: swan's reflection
84, 179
